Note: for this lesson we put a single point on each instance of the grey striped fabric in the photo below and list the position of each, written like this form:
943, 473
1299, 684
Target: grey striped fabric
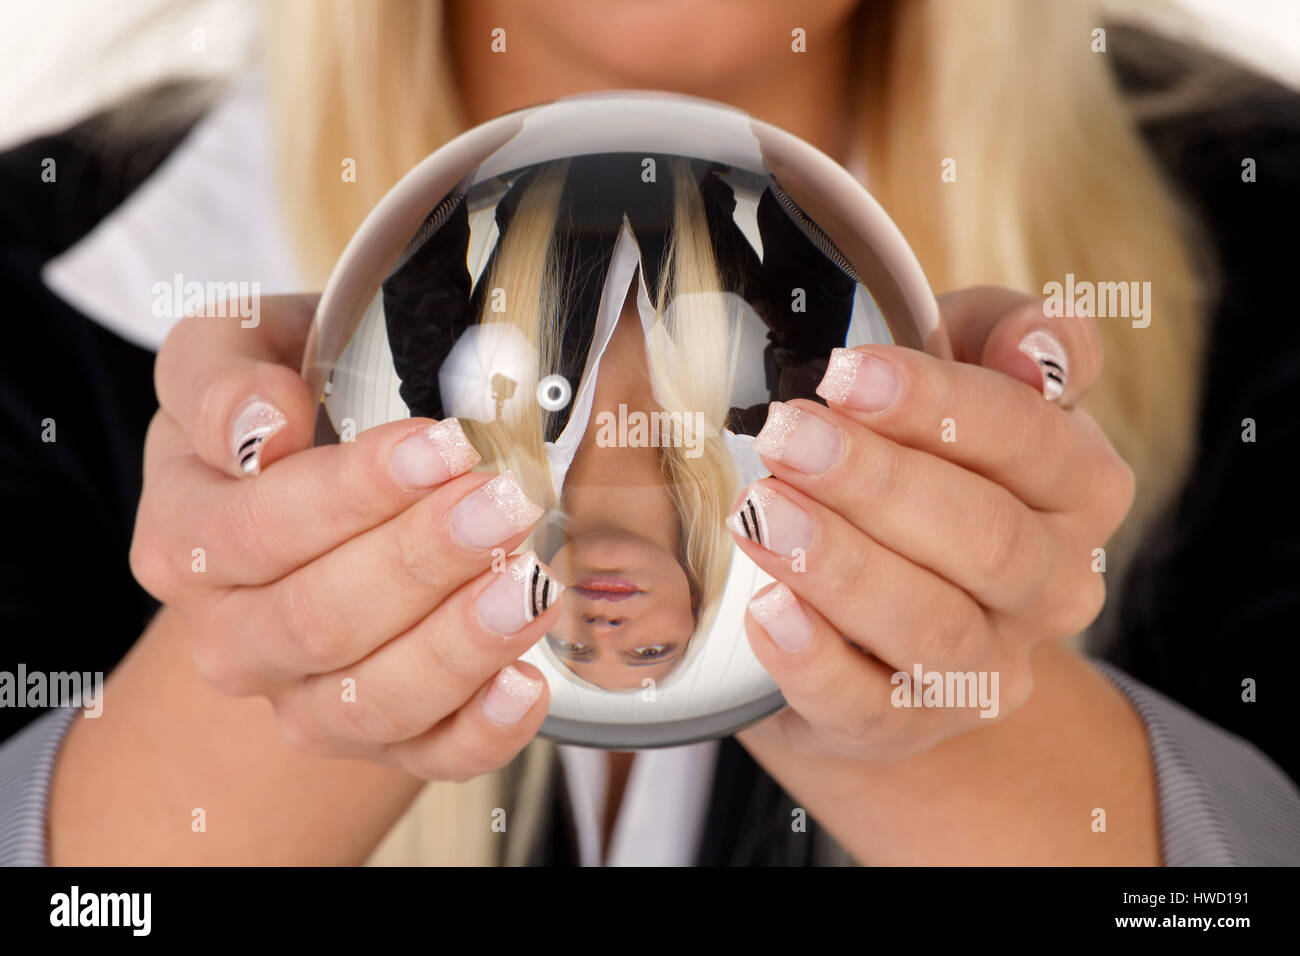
1222, 802
26, 767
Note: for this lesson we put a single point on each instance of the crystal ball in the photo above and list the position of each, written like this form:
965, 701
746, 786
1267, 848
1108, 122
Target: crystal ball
606, 292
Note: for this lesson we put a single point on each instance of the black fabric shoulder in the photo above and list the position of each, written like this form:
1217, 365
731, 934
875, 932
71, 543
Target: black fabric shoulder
75, 401
1207, 612
97, 163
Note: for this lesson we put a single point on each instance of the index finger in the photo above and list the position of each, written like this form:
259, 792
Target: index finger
975, 417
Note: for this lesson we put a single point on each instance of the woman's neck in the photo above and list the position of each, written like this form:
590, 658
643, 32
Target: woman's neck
613, 483
805, 93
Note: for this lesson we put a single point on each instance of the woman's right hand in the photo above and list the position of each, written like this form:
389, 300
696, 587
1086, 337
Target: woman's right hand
361, 587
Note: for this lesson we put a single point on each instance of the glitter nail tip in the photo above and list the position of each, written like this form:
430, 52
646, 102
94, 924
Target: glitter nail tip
772, 605
782, 420
841, 370
515, 684
505, 492
454, 447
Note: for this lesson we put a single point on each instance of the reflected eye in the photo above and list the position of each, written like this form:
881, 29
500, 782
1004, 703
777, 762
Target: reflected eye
651, 652
572, 648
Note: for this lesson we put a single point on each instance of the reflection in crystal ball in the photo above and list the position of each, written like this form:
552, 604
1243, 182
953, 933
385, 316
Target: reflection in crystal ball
606, 292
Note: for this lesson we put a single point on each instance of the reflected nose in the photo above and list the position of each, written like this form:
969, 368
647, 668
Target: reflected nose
602, 623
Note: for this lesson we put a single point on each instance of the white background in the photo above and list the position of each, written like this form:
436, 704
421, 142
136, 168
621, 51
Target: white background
60, 59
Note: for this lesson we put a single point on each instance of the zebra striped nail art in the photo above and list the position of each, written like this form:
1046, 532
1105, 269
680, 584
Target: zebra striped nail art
540, 587
513, 601
750, 519
1046, 349
256, 422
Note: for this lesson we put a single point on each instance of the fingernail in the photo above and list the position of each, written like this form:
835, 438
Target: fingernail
432, 455
804, 442
256, 422
524, 590
772, 520
511, 696
783, 619
491, 514
1046, 349
860, 381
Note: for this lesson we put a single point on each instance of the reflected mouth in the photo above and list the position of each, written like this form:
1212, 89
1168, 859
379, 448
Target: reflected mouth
607, 589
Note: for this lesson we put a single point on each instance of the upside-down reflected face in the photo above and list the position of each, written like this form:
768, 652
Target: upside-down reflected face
628, 611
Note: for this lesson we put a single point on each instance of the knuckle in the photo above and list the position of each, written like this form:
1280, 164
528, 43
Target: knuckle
298, 729
352, 508
942, 392
214, 663
369, 720
880, 472
1023, 447
847, 575
953, 629
244, 520
855, 725
999, 539
453, 659
150, 565
417, 554
1084, 598
307, 626
427, 762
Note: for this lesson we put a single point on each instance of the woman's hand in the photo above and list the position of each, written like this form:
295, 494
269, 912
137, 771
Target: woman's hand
939, 516
362, 587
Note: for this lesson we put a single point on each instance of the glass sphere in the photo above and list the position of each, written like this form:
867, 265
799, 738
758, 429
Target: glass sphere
606, 292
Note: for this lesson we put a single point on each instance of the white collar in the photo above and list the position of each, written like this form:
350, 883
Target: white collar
209, 214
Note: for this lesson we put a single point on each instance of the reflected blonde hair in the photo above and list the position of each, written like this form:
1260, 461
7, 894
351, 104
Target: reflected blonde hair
691, 361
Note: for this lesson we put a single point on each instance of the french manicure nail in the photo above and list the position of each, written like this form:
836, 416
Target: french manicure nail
511, 696
492, 514
519, 594
257, 421
783, 619
803, 442
432, 455
772, 520
860, 381
1046, 350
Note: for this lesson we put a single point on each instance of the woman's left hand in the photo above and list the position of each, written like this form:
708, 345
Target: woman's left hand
941, 516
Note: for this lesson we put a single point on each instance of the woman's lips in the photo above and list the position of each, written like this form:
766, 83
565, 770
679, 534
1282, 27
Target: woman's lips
607, 589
